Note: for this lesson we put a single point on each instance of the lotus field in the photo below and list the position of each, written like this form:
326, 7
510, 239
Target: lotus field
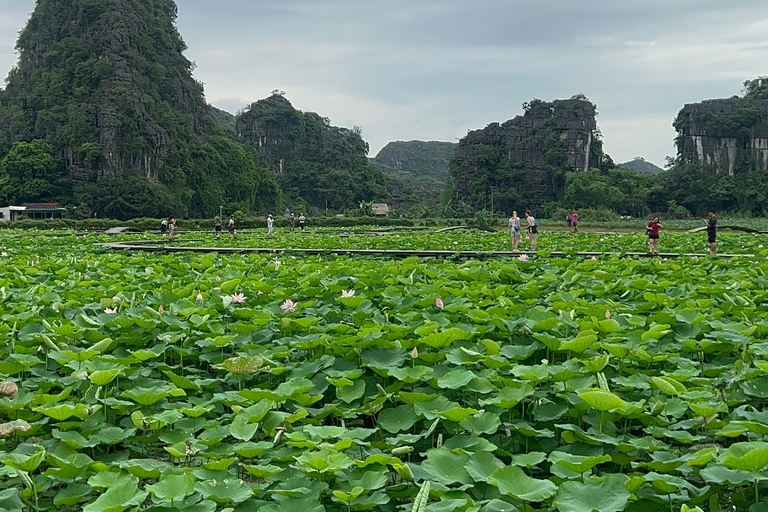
275, 383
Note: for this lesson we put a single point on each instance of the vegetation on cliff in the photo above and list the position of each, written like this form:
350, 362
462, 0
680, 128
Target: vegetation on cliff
106, 86
525, 161
417, 171
314, 162
641, 165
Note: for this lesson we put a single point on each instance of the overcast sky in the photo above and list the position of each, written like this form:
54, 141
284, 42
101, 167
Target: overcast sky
433, 69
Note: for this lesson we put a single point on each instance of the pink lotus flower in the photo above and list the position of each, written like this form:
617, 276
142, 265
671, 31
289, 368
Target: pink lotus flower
218, 278
160, 309
439, 303
37, 262
110, 311
523, 257
347, 294
607, 314
238, 298
199, 296
288, 306
415, 353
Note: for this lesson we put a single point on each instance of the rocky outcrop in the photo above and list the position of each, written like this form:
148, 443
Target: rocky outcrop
313, 161
524, 161
729, 135
419, 165
107, 86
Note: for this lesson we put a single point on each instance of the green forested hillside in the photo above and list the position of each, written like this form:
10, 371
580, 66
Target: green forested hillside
106, 86
417, 171
224, 119
314, 162
640, 164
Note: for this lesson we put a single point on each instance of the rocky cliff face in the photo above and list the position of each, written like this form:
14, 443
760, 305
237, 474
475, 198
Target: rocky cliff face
313, 161
729, 135
523, 162
106, 85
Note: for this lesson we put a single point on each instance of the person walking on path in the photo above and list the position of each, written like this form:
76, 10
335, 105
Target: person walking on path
532, 227
302, 220
575, 221
293, 221
231, 226
652, 230
568, 220
514, 225
164, 227
171, 227
712, 233
217, 226
270, 224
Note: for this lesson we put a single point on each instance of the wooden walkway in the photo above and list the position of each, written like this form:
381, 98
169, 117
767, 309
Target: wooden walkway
396, 253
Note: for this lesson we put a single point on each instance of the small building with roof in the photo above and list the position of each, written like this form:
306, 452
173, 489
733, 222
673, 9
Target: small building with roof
33, 211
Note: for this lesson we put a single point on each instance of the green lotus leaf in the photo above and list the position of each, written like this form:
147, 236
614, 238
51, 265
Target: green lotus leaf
481, 465
529, 460
608, 495
512, 481
251, 450
294, 505
669, 386
397, 419
147, 396
482, 423
242, 429
455, 379
410, 375
119, 497
71, 495
446, 467
602, 400
324, 461
225, 491
26, 457
457, 414
173, 485
510, 396
103, 377
348, 394
10, 501
577, 463
262, 471
383, 358
144, 468
752, 456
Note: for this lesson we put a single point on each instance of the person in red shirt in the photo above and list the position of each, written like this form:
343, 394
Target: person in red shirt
652, 228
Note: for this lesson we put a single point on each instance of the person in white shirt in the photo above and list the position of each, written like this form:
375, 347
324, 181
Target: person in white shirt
302, 220
514, 225
270, 225
231, 227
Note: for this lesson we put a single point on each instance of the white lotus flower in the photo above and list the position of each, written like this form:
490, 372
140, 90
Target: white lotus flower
347, 294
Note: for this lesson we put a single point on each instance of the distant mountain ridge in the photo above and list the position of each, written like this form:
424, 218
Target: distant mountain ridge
417, 170
640, 164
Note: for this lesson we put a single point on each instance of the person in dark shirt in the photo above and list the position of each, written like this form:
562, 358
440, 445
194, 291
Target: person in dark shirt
217, 225
652, 228
712, 233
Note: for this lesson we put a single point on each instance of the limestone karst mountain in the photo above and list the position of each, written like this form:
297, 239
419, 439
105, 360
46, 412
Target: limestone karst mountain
313, 161
107, 86
524, 161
